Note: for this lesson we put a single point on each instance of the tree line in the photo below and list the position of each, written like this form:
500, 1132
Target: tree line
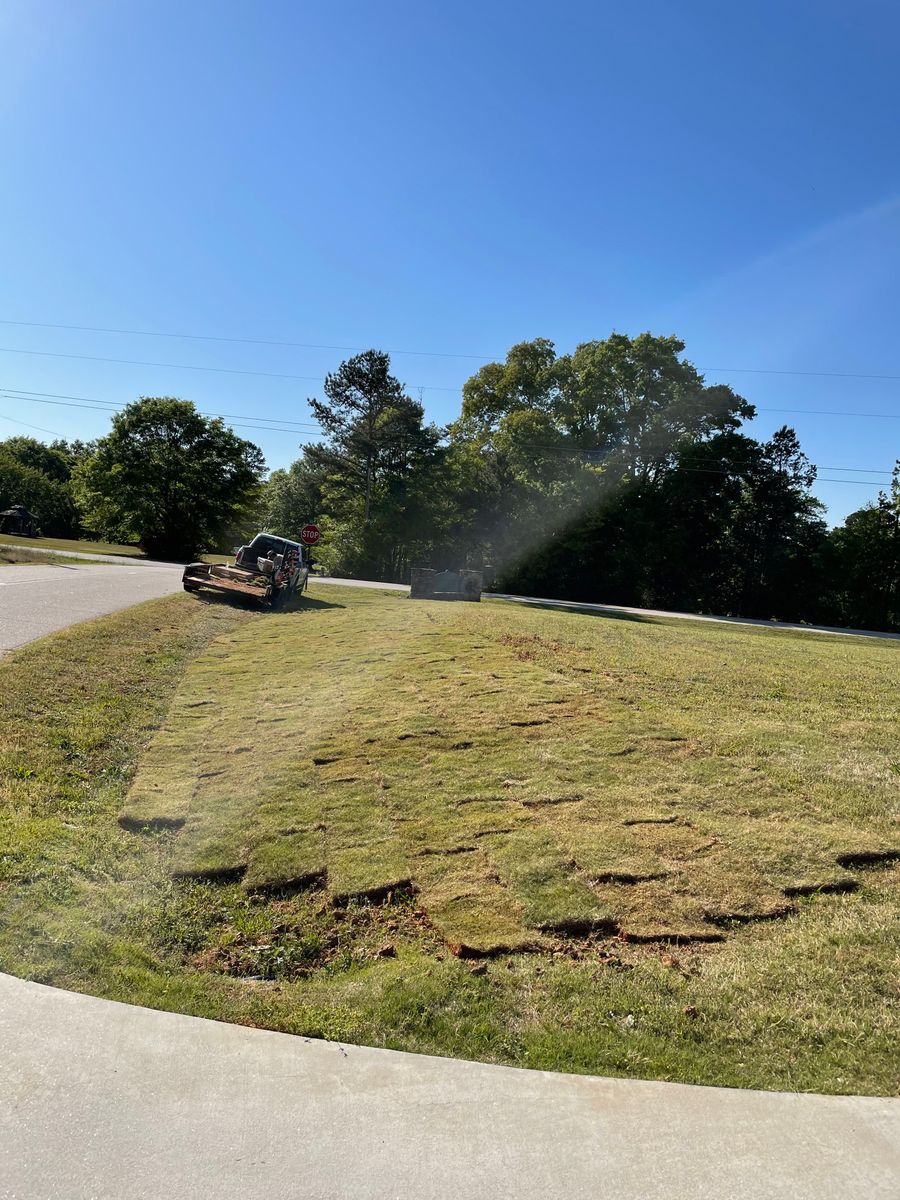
613, 474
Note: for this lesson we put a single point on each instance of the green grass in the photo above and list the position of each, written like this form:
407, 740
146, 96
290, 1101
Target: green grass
671, 847
15, 556
73, 544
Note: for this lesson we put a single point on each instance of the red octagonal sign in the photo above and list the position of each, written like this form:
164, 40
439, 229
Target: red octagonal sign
309, 535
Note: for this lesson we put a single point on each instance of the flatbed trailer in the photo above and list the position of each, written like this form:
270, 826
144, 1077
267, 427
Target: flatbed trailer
227, 579
270, 578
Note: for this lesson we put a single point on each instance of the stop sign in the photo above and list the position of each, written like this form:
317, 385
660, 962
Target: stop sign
309, 535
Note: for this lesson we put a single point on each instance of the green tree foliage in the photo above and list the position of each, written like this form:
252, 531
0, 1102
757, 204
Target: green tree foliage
374, 430
168, 478
38, 476
377, 483
293, 497
865, 563
730, 527
560, 434
614, 473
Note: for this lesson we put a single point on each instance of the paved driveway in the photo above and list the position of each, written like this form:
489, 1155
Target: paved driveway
37, 600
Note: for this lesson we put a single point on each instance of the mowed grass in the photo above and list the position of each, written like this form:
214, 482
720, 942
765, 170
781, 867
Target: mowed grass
10, 543
72, 544
16, 556
550, 839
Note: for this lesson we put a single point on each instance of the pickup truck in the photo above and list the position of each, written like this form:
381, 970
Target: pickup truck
269, 569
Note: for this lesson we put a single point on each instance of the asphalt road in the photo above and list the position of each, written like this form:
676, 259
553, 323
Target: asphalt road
650, 614
37, 600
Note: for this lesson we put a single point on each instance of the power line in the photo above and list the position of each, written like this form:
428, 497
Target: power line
110, 411
298, 433
831, 412
813, 374
431, 387
240, 341
599, 455
25, 425
138, 362
246, 341
270, 429
818, 479
101, 406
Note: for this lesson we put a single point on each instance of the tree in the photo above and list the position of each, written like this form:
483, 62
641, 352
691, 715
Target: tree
560, 435
729, 527
38, 477
293, 496
378, 480
52, 461
629, 403
865, 567
372, 425
168, 478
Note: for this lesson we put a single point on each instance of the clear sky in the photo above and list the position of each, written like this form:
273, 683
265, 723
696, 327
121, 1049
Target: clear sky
445, 179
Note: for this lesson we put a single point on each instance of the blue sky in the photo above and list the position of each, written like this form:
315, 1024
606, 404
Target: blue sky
445, 180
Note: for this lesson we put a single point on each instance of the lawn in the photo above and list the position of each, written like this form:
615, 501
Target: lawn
551, 839
72, 544
16, 556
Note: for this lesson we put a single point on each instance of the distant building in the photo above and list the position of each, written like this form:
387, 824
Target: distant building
18, 520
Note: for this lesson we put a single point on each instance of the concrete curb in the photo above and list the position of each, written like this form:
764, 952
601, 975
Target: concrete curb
103, 1100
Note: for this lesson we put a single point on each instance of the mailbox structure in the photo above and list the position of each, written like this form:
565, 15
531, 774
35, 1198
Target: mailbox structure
444, 585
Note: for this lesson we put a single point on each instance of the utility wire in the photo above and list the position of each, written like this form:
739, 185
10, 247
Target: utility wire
831, 412
245, 341
102, 408
25, 424
139, 362
240, 341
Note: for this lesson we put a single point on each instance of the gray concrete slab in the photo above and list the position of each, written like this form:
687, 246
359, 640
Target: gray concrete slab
37, 600
103, 1100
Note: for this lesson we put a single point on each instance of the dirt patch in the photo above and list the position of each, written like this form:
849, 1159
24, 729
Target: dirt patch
542, 801
213, 874
670, 820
